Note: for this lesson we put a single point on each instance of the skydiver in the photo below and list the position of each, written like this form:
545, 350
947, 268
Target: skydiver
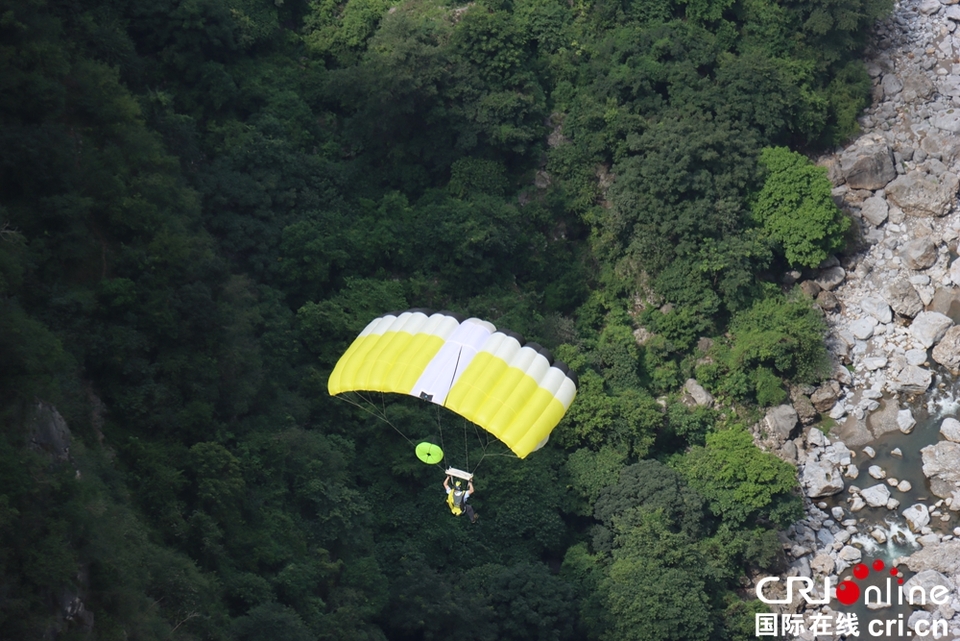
457, 498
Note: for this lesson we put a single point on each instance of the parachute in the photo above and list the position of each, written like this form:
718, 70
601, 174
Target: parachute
511, 388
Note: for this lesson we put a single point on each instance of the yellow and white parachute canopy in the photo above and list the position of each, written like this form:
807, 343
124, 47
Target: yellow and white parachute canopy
509, 387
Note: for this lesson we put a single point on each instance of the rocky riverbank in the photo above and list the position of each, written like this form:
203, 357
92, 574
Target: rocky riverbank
892, 308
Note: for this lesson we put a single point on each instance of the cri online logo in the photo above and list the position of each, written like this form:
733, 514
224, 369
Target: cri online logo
848, 592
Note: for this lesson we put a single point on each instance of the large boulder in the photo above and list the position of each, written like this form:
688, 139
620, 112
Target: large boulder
919, 253
917, 86
950, 429
780, 422
928, 580
947, 351
831, 277
909, 379
825, 396
806, 412
869, 165
929, 327
943, 557
876, 495
941, 465
946, 148
920, 195
874, 210
917, 516
903, 298
821, 478
877, 308
697, 393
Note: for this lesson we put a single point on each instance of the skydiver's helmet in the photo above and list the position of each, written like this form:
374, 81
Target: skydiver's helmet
458, 485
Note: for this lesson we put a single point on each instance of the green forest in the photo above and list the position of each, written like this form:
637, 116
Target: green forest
202, 202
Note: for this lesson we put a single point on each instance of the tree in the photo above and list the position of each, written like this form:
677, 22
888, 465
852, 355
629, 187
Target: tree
741, 482
796, 210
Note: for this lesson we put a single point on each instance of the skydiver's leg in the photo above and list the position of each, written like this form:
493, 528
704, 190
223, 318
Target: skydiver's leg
468, 509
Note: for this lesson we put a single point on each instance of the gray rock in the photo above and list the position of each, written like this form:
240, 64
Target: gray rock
904, 486
929, 7
928, 580
869, 451
47, 432
816, 438
874, 210
810, 288
699, 395
917, 86
877, 308
917, 516
943, 557
919, 195
950, 429
831, 277
863, 328
822, 564
919, 253
929, 327
917, 356
849, 554
911, 379
903, 298
780, 422
876, 472
891, 85
947, 121
953, 13
876, 495
828, 301
947, 351
805, 410
941, 465
869, 165
905, 421
825, 396
821, 478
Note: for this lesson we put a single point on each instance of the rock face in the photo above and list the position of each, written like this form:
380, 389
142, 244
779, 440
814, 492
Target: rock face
941, 464
947, 351
869, 165
47, 432
918, 194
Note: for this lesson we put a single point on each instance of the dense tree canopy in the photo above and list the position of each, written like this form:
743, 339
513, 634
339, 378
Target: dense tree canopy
202, 203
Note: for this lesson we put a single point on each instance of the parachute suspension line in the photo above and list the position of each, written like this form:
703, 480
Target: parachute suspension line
466, 450
440, 429
381, 416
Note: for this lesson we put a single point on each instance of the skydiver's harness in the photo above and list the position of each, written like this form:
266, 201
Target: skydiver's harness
456, 500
